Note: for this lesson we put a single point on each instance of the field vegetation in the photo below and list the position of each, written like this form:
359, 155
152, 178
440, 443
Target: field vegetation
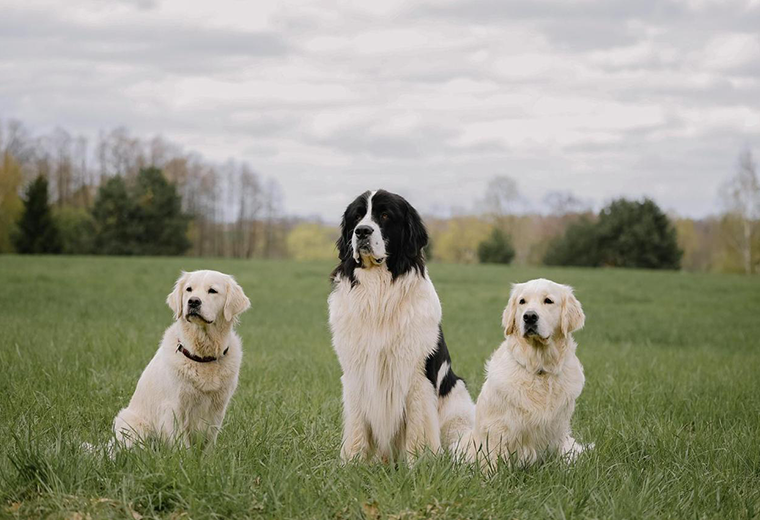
671, 399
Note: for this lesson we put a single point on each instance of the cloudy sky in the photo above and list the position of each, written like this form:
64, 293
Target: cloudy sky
428, 98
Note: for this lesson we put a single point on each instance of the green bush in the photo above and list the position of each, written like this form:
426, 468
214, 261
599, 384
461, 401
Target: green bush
496, 249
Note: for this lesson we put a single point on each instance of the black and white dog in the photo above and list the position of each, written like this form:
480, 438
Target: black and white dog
400, 395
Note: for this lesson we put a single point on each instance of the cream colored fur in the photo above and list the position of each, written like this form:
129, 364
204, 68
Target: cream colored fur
532, 381
178, 399
383, 332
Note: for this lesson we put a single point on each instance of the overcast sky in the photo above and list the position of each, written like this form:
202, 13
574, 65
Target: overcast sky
429, 99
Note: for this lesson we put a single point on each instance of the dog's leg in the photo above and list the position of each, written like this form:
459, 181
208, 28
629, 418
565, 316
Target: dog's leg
422, 426
356, 433
570, 449
129, 428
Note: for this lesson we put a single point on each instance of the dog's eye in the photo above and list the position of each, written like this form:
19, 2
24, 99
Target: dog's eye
189, 289
522, 301
548, 301
385, 216
212, 291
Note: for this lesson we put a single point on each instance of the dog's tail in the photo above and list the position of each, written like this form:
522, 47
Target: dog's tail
457, 419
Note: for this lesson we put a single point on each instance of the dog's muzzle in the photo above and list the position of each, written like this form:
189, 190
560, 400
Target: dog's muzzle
194, 313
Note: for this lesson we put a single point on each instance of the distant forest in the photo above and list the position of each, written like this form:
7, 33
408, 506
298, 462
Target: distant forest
131, 196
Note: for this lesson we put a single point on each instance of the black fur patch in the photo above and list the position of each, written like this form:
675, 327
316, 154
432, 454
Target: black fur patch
434, 362
402, 228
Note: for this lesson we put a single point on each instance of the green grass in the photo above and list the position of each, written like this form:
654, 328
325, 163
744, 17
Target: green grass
672, 399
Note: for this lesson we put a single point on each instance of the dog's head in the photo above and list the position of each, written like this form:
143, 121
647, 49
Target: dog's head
206, 297
381, 228
540, 310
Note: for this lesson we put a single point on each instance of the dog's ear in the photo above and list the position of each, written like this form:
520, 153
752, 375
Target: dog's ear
344, 241
417, 235
237, 302
174, 300
510, 313
572, 313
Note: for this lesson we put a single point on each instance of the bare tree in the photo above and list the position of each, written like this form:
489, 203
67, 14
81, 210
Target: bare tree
741, 200
561, 203
502, 197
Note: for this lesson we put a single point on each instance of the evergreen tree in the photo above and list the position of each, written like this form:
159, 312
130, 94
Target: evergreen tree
143, 219
496, 249
160, 225
37, 232
114, 214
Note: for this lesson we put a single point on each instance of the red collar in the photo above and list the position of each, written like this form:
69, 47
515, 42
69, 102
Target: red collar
198, 359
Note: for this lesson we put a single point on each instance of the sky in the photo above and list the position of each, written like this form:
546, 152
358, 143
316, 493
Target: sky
431, 99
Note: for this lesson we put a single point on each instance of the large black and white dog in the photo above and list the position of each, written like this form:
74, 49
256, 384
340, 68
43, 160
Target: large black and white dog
400, 395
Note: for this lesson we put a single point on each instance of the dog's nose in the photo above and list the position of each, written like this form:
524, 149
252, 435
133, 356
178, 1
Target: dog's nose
530, 318
363, 231
194, 302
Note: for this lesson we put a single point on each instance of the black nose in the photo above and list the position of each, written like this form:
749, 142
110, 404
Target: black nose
530, 318
363, 231
194, 302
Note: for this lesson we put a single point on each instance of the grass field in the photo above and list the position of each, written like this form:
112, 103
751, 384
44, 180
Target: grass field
672, 399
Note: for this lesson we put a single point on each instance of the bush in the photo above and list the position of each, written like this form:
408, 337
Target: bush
627, 234
496, 249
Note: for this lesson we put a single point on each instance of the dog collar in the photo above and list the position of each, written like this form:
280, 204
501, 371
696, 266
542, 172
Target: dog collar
198, 359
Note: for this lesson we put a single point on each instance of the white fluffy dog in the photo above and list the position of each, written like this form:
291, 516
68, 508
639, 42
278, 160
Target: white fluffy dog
183, 393
533, 379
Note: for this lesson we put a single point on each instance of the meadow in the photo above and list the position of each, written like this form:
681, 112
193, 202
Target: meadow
672, 399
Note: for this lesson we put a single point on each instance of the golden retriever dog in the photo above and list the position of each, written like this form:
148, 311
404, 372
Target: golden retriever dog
532, 380
182, 394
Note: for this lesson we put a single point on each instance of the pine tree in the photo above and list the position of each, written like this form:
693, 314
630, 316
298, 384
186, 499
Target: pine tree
37, 231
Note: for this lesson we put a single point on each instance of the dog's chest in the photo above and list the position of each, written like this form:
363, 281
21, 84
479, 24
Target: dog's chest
384, 326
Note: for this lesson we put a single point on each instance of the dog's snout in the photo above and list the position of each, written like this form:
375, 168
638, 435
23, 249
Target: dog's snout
363, 231
530, 318
194, 302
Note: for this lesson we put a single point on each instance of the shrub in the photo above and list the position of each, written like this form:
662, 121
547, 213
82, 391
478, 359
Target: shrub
496, 249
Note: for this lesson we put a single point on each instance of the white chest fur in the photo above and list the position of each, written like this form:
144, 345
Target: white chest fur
383, 331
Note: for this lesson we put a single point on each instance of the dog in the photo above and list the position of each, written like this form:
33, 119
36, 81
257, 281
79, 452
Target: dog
400, 395
182, 394
532, 380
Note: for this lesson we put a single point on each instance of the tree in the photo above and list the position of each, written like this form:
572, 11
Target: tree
502, 196
626, 234
114, 213
637, 234
10, 203
311, 241
77, 229
741, 200
458, 242
578, 246
37, 231
160, 225
496, 249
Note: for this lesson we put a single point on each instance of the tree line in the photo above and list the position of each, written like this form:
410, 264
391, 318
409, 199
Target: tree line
125, 195
229, 209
